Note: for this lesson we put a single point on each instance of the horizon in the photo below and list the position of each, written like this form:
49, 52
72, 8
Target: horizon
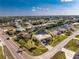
38, 15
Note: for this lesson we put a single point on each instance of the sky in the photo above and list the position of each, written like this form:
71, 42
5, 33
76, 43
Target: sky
38, 7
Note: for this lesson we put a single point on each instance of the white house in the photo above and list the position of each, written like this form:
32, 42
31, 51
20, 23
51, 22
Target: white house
40, 37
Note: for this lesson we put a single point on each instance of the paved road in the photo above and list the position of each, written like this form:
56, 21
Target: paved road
13, 48
57, 48
69, 54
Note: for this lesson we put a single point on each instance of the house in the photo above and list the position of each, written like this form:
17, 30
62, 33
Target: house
56, 32
23, 34
77, 43
42, 38
76, 56
18, 20
20, 29
75, 24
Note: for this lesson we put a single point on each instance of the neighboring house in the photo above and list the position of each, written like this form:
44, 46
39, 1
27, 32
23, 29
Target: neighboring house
76, 55
17, 22
62, 29
28, 25
20, 29
57, 32
77, 52
23, 34
75, 25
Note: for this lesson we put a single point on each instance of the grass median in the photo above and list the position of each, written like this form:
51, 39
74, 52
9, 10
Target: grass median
1, 54
8, 53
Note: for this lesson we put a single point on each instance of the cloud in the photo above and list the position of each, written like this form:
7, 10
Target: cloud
39, 9
33, 9
36, 9
48, 9
66, 0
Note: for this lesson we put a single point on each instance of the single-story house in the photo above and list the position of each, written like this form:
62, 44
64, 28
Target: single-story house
41, 38
23, 34
76, 56
18, 20
20, 29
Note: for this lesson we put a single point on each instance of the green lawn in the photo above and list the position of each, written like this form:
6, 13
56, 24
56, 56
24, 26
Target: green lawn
59, 55
67, 33
7, 53
72, 45
1, 54
56, 40
36, 52
77, 36
34, 48
31, 47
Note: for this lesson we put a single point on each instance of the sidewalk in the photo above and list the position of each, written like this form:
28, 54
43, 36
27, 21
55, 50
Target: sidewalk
49, 47
69, 54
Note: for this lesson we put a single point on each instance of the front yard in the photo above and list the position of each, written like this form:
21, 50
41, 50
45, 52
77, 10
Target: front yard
31, 47
72, 45
77, 36
59, 55
56, 40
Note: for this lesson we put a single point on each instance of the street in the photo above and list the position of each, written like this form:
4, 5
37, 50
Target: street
13, 48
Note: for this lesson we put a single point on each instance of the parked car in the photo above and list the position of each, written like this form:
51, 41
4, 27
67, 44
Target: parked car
8, 38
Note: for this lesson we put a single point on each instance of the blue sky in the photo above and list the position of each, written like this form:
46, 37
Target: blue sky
38, 7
